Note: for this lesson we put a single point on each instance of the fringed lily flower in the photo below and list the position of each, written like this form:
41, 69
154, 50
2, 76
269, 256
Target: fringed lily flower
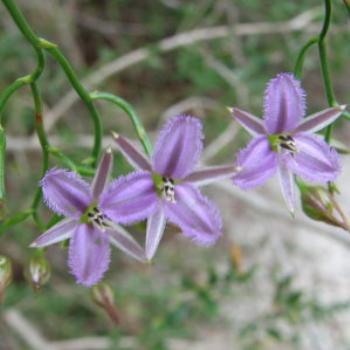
165, 187
284, 142
87, 226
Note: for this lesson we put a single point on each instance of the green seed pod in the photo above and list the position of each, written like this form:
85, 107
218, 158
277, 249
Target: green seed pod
39, 271
5, 275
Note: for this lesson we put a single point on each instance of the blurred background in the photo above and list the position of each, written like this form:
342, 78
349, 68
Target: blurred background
271, 282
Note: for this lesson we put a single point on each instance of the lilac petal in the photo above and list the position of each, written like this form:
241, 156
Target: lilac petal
287, 185
65, 192
102, 174
120, 238
60, 232
249, 122
89, 254
320, 120
134, 156
178, 147
130, 198
155, 231
315, 160
284, 104
257, 163
198, 218
208, 175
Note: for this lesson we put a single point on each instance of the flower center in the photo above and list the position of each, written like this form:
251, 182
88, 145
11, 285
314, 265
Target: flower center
95, 217
283, 141
168, 189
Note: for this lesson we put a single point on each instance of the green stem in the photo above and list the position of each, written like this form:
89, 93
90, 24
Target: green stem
347, 5
44, 143
82, 92
20, 82
40, 44
2, 171
322, 49
298, 69
82, 170
21, 22
14, 220
128, 109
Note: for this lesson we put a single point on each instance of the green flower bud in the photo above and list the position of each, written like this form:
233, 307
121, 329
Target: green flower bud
5, 275
319, 204
39, 271
102, 294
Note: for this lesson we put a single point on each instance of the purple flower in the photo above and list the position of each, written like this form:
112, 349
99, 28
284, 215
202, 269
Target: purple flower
284, 141
87, 226
165, 187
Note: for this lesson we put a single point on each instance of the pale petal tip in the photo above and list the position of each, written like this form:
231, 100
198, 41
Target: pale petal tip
109, 149
33, 245
230, 109
342, 107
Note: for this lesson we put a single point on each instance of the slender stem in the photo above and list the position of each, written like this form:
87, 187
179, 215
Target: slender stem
21, 22
347, 5
82, 92
128, 109
15, 219
2, 170
44, 146
40, 44
298, 69
322, 49
61, 156
20, 82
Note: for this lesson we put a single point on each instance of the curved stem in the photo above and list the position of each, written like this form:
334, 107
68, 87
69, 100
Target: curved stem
40, 44
128, 109
298, 68
21, 22
2, 171
82, 92
347, 5
44, 147
324, 63
15, 219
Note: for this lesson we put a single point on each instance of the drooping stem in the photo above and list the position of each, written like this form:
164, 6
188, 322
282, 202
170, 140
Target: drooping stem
322, 49
298, 68
82, 92
2, 171
39, 45
128, 109
347, 5
44, 143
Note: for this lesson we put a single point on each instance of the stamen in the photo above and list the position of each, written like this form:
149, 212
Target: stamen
288, 143
168, 189
96, 217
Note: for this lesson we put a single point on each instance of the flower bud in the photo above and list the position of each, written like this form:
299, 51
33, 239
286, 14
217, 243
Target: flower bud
39, 271
102, 295
5, 275
319, 204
